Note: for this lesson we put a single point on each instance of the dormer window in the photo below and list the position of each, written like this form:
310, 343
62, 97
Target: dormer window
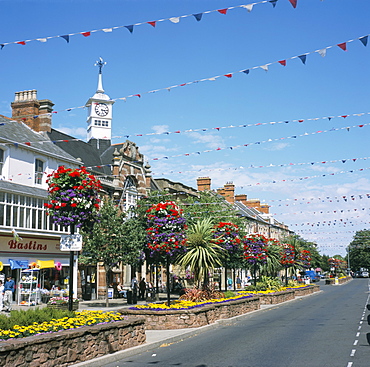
39, 171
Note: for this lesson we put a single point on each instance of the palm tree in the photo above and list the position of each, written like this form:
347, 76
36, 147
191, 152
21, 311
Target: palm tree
203, 253
272, 265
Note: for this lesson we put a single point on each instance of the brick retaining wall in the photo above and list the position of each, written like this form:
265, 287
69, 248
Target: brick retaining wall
205, 315
67, 347
278, 297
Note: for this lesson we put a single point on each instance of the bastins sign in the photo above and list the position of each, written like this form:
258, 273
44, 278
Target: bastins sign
29, 245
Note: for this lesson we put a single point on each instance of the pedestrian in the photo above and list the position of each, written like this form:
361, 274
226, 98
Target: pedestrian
1, 295
142, 289
229, 283
134, 287
238, 282
121, 292
9, 288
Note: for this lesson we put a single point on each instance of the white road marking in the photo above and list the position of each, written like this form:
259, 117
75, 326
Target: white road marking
349, 364
355, 343
353, 352
357, 335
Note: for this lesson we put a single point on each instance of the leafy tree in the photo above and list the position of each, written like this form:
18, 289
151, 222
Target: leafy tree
110, 241
203, 253
209, 205
359, 250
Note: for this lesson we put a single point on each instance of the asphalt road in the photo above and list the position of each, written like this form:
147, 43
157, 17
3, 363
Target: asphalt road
326, 329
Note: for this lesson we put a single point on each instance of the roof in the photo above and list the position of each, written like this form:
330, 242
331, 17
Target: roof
22, 189
86, 152
17, 133
249, 212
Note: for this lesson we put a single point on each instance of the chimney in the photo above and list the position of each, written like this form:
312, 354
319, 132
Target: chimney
228, 192
254, 203
242, 198
45, 110
27, 109
204, 184
265, 208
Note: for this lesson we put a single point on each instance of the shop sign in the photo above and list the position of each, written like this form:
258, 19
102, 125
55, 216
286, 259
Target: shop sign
29, 245
70, 242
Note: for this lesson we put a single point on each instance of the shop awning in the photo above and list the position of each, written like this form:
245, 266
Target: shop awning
18, 264
45, 264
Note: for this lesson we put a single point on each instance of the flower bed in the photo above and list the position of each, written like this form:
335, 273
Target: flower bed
195, 315
66, 347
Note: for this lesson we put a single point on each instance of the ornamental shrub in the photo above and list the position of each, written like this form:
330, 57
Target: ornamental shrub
32, 315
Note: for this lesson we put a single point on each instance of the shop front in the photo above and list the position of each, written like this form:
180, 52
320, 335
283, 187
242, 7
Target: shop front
40, 270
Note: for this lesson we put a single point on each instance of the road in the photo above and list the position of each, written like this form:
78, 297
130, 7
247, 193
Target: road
327, 329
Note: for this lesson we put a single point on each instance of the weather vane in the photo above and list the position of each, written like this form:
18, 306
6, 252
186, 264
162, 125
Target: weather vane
100, 64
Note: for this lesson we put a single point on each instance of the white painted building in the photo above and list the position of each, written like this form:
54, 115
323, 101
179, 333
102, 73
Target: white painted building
27, 235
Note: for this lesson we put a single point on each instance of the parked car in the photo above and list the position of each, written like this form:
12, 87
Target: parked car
362, 274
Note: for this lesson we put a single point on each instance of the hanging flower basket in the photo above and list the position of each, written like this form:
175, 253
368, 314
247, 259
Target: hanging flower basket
73, 196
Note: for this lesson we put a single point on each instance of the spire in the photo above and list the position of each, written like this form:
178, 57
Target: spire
100, 64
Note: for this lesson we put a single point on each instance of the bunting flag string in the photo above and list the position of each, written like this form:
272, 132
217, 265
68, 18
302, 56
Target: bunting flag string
260, 142
252, 166
219, 128
322, 52
348, 128
130, 28
338, 211
342, 223
304, 178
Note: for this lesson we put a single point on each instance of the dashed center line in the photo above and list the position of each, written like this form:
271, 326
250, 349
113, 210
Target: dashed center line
355, 343
353, 352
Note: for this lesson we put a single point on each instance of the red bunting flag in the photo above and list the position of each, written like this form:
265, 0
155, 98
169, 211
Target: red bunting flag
294, 3
21, 43
152, 23
282, 62
222, 11
228, 75
29, 144
343, 46
86, 34
137, 95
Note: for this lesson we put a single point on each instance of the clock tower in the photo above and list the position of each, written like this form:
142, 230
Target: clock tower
99, 111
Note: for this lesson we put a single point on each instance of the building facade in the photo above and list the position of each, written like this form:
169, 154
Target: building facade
28, 238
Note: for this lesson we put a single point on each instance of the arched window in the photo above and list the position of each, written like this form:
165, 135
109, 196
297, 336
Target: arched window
129, 195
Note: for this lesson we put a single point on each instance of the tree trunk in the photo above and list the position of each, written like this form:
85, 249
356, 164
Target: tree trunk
255, 274
226, 279
106, 286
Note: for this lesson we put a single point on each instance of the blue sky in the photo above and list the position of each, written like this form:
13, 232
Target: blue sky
308, 197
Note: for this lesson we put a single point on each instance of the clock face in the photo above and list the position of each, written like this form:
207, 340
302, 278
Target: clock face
101, 109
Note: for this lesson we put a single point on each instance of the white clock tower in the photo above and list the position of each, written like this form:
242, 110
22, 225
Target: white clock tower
99, 113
